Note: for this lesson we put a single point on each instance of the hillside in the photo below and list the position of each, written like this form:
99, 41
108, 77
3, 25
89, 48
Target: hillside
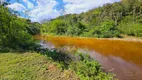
110, 20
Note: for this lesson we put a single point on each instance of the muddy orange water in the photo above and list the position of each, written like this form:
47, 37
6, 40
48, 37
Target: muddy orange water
119, 57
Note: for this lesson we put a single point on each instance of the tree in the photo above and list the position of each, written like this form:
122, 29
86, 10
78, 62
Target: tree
13, 32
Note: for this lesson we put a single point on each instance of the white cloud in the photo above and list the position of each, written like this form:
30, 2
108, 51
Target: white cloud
44, 11
25, 0
17, 7
78, 6
29, 4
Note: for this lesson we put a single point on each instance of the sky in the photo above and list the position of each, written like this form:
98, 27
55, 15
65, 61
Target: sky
39, 10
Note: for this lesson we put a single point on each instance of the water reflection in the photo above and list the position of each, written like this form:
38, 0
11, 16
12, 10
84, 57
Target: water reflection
120, 57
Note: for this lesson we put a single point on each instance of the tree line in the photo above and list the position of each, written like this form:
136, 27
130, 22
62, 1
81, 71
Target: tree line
110, 20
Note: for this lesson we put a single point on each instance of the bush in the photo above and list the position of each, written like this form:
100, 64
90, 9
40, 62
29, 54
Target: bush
130, 27
105, 30
88, 69
76, 30
33, 28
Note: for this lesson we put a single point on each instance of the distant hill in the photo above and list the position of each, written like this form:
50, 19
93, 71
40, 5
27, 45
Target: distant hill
110, 20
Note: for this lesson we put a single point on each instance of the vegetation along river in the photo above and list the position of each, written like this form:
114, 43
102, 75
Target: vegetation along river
123, 58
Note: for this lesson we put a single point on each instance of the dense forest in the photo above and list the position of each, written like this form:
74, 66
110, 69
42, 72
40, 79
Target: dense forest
110, 20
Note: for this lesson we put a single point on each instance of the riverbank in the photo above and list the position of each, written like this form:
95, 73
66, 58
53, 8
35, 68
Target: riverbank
124, 38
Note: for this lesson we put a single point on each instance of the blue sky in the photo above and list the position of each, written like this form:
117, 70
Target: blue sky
39, 10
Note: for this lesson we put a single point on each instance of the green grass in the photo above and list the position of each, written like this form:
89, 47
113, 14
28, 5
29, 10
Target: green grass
50, 65
31, 66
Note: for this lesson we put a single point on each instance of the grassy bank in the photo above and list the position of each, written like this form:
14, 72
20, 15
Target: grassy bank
50, 65
31, 66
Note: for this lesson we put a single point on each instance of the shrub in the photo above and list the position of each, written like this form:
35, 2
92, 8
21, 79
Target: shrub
105, 30
88, 69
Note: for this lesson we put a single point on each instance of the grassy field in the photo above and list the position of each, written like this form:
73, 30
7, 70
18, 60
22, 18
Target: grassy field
31, 66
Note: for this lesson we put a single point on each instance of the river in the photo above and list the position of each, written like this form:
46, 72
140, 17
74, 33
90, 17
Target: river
123, 58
